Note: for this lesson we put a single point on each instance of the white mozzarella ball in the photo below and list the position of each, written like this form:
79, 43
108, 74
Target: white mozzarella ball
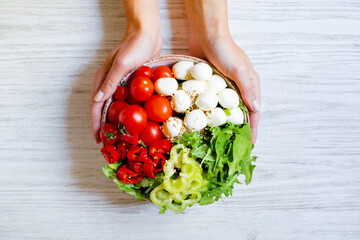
207, 100
181, 70
215, 83
236, 116
166, 86
193, 87
180, 101
195, 120
228, 98
173, 127
201, 71
216, 117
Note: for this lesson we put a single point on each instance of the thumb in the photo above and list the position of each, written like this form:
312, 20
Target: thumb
250, 91
117, 72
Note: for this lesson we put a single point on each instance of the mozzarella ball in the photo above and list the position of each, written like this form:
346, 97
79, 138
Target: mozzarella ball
181, 70
216, 117
201, 71
166, 86
215, 83
195, 120
180, 101
236, 116
228, 98
173, 127
207, 100
193, 87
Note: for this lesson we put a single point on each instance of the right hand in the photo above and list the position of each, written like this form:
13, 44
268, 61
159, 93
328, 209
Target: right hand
136, 48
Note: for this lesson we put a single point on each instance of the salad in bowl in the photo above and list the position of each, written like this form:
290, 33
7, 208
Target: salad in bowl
177, 133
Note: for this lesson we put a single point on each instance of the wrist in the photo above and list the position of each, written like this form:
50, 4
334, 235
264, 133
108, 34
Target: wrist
142, 17
208, 19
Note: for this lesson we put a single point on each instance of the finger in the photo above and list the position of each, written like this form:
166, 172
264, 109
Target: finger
255, 115
96, 108
254, 122
102, 71
248, 84
96, 111
118, 71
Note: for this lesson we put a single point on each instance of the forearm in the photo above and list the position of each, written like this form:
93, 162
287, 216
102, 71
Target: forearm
142, 15
208, 18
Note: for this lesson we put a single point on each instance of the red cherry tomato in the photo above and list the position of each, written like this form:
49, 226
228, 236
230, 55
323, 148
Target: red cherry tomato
141, 89
161, 72
130, 139
114, 111
133, 101
121, 93
158, 108
143, 71
134, 118
109, 133
151, 133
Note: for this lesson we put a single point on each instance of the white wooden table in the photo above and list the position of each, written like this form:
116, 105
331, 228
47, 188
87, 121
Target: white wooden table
307, 181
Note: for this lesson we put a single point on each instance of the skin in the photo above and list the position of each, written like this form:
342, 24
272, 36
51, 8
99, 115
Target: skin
210, 39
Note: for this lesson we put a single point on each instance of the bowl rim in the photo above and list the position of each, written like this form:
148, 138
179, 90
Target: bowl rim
177, 57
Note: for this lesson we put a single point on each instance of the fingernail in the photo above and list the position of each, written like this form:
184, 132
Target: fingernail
98, 96
255, 106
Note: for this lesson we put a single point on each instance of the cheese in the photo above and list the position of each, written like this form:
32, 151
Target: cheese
201, 71
195, 120
166, 86
181, 70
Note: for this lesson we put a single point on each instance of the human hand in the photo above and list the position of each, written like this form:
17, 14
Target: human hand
141, 42
210, 39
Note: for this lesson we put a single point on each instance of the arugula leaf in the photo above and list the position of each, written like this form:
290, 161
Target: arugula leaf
220, 147
247, 168
241, 149
191, 139
200, 151
216, 189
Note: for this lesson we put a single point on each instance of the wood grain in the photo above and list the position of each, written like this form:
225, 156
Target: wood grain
306, 184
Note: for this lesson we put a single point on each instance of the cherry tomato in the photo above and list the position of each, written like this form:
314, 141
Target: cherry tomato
151, 133
133, 101
114, 111
158, 108
161, 72
109, 133
121, 93
130, 139
134, 118
141, 89
143, 71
